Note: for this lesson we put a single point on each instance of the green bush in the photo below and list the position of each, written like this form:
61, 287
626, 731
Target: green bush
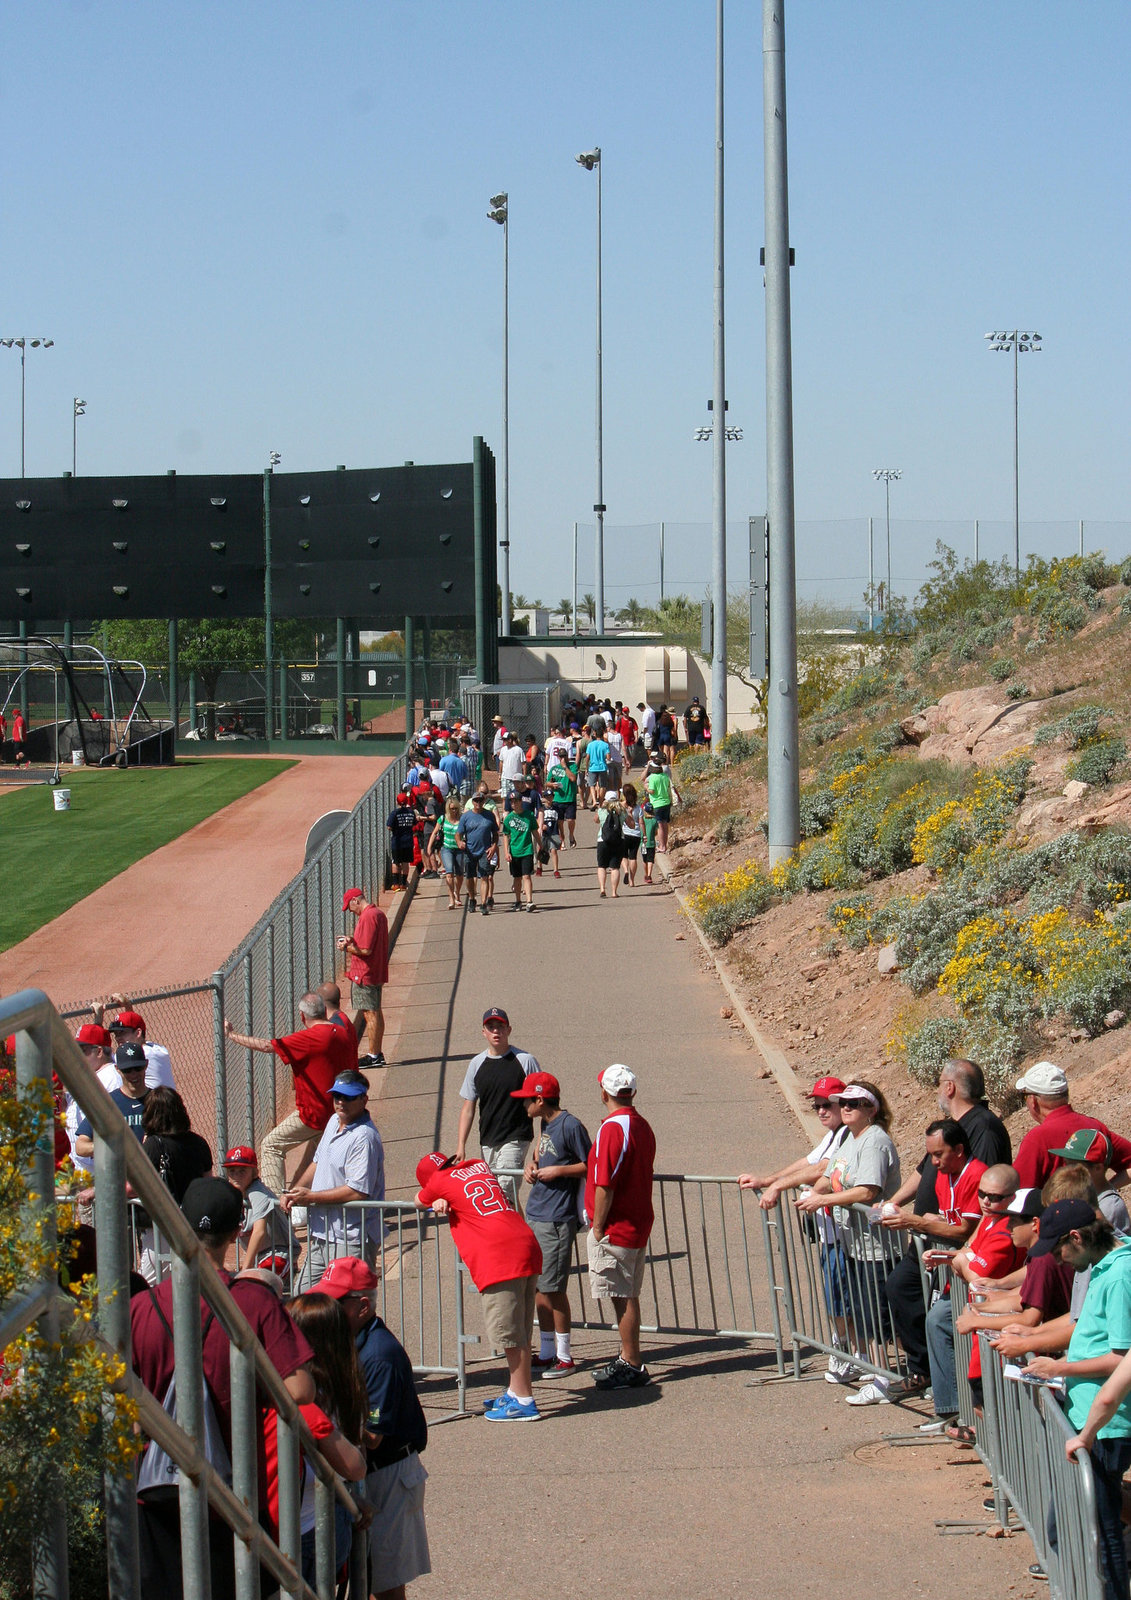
733, 827
930, 1046
1077, 728
1098, 761
866, 686
721, 921
697, 764
1000, 670
1125, 570
741, 745
1018, 690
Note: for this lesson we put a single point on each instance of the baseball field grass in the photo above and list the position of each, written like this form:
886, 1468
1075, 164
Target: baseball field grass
51, 859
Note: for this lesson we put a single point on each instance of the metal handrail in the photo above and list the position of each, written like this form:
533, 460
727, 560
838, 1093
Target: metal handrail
43, 1042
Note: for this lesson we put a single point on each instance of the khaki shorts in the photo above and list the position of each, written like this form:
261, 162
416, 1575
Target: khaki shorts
616, 1271
366, 996
398, 1538
508, 1312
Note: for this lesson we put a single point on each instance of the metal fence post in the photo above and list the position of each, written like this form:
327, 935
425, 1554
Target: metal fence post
325, 1557
33, 1076
113, 1266
290, 1495
190, 1417
245, 1422
272, 1018
249, 1022
220, 1055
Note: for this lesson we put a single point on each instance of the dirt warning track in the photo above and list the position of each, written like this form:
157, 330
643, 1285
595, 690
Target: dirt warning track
174, 916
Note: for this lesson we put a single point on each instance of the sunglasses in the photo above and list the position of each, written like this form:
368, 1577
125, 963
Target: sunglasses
822, 1105
982, 1195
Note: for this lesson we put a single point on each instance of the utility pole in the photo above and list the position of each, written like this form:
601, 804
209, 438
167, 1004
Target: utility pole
718, 710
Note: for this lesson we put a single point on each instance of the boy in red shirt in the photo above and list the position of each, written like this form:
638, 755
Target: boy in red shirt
504, 1259
618, 1208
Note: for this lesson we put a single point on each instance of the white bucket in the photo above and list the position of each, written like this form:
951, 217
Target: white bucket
62, 798
78, 758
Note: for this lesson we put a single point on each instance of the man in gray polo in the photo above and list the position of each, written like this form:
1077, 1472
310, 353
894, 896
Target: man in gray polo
349, 1165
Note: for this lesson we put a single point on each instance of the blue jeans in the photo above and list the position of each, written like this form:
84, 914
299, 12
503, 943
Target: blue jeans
1110, 1460
940, 1351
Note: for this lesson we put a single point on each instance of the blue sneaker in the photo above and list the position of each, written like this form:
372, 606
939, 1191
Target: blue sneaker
499, 1400
512, 1410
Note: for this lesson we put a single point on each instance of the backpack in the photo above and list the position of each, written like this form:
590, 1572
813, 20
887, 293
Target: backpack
611, 828
157, 1470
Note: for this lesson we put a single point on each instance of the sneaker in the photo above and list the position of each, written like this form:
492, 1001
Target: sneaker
537, 1363
912, 1387
840, 1370
873, 1393
365, 1062
530, 905
537, 872
557, 874
491, 901
378, 1060
988, 1505
557, 1369
471, 907
511, 1410
499, 1400
573, 844
1037, 1572
621, 1374
513, 906
936, 1426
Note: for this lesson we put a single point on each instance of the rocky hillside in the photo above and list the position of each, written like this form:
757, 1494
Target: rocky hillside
964, 880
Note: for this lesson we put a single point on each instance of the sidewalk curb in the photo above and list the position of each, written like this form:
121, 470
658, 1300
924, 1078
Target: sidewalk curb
784, 1075
400, 908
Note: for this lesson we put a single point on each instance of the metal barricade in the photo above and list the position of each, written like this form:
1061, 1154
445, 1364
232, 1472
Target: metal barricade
831, 1268
1025, 1435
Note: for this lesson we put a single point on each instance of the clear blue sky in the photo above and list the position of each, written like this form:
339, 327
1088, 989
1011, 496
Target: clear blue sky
253, 227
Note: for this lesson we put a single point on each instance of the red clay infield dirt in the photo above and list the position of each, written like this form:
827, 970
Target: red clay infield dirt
174, 916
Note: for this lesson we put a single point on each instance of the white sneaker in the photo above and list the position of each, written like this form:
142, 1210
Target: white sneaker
840, 1370
874, 1393
936, 1426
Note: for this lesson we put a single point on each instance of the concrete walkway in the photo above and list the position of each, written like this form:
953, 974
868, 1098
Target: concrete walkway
701, 1485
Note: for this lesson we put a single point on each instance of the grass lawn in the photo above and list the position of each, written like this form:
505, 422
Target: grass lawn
54, 858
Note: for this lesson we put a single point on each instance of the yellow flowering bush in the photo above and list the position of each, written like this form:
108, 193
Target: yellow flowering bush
730, 902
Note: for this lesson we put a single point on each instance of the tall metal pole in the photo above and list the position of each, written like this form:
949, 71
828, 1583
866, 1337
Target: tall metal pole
781, 719
871, 579
887, 517
500, 213
1016, 478
268, 619
718, 711
976, 541
575, 629
23, 392
661, 563
409, 679
599, 504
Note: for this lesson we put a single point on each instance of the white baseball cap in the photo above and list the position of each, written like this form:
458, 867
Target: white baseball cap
617, 1079
1043, 1078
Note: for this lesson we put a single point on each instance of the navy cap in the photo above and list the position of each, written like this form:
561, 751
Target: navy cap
1059, 1220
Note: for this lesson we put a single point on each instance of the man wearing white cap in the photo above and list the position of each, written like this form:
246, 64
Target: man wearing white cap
618, 1208
1045, 1087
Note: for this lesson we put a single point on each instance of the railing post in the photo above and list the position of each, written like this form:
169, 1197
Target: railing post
220, 1056
245, 1421
249, 1096
190, 1417
272, 1020
50, 1579
325, 1557
113, 1265
290, 1495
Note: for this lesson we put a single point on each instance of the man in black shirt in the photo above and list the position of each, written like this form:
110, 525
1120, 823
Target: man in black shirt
504, 1128
962, 1095
695, 721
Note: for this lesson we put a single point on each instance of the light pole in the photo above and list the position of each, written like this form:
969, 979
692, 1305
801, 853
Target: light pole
887, 476
499, 213
1020, 343
21, 344
590, 160
273, 460
79, 411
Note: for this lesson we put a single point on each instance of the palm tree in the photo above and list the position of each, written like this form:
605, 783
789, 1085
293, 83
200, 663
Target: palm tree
589, 606
632, 614
565, 611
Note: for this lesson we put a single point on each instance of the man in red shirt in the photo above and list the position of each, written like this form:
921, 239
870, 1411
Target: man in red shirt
315, 1055
618, 1208
213, 1208
19, 734
504, 1259
1045, 1087
368, 972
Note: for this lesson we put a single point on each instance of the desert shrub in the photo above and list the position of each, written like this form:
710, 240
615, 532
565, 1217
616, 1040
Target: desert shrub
860, 690
1105, 869
929, 1046
993, 972
1077, 727
1098, 761
731, 902
962, 649
691, 765
733, 827
1018, 690
888, 738
1000, 670
1087, 967
823, 730
851, 916
1125, 570
955, 593
1125, 606
818, 808
741, 745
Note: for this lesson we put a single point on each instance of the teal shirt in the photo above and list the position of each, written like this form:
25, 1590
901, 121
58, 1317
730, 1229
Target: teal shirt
1104, 1325
519, 827
659, 788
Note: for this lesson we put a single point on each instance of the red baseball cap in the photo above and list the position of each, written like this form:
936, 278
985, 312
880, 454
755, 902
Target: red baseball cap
127, 1019
495, 1014
241, 1155
539, 1085
347, 1275
91, 1033
427, 1165
825, 1087
350, 894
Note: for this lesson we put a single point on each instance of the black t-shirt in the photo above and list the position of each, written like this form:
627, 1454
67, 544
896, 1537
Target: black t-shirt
179, 1158
402, 824
501, 1119
987, 1135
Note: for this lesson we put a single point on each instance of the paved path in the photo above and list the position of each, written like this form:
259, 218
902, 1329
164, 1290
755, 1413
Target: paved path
172, 917
701, 1485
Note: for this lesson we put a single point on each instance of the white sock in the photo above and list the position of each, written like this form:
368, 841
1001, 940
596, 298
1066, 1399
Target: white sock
546, 1348
562, 1342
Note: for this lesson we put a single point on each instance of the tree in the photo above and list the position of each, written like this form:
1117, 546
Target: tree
564, 609
589, 607
632, 613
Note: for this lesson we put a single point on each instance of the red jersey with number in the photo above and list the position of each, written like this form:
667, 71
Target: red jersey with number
494, 1242
991, 1254
621, 1158
957, 1194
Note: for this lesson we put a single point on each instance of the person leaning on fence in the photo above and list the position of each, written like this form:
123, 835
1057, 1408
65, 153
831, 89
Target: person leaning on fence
556, 1174
990, 1255
618, 1209
504, 1128
962, 1095
1045, 1087
950, 1219
129, 1059
348, 1166
861, 1171
316, 1052
213, 1209
806, 1169
368, 972
503, 1261
128, 1027
396, 1435
1099, 1342
96, 1045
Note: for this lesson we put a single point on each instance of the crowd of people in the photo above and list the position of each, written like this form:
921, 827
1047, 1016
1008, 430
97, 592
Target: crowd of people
1039, 1236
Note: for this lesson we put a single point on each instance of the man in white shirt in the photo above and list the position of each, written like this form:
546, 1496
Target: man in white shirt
615, 742
499, 740
97, 1046
647, 724
440, 780
510, 763
129, 1028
